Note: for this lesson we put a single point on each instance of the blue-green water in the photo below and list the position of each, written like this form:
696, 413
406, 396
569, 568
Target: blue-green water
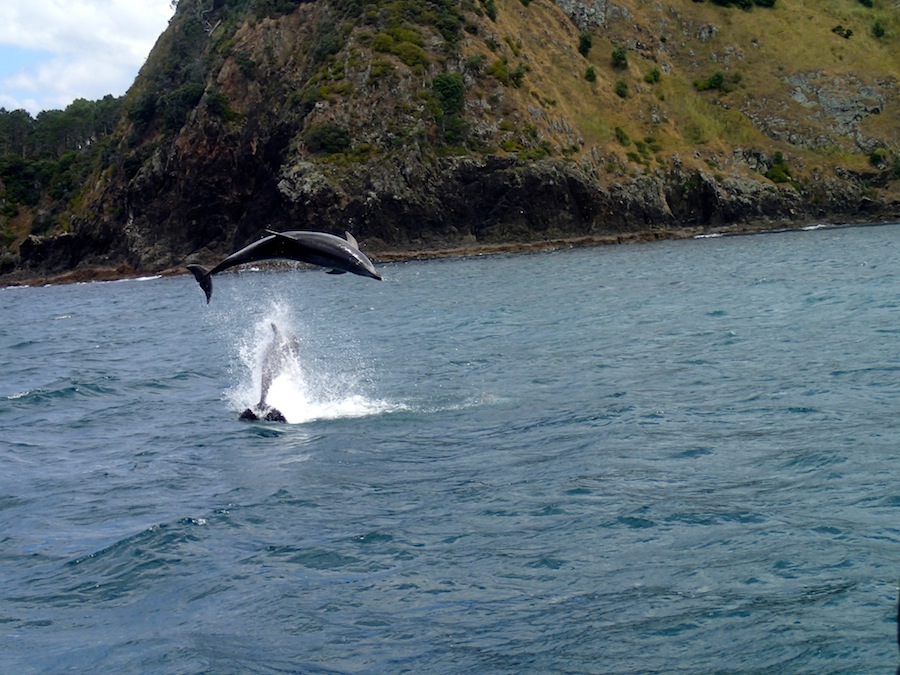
679, 457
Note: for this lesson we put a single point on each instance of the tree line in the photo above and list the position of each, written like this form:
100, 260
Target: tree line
46, 159
54, 132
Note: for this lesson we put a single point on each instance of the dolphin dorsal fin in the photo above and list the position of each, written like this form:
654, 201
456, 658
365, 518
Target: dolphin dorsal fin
351, 240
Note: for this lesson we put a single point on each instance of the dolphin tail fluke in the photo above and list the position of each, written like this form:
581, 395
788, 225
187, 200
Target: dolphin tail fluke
201, 274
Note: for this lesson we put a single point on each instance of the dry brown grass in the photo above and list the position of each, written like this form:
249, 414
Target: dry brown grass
756, 50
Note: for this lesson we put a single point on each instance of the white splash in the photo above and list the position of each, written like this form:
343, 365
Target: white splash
303, 388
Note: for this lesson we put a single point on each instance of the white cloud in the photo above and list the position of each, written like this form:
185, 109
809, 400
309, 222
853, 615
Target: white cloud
59, 50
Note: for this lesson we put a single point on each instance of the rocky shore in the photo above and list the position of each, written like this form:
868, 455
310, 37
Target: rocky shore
99, 274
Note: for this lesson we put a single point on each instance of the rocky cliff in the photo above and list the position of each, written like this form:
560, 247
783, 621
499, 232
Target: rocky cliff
441, 124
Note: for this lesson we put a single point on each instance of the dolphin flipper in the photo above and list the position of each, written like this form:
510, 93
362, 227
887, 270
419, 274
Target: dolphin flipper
201, 274
336, 272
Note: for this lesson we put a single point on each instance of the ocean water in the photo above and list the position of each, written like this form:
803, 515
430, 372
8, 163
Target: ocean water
678, 457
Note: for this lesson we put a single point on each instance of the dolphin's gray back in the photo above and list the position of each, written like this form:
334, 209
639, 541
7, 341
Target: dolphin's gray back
263, 249
328, 250
314, 248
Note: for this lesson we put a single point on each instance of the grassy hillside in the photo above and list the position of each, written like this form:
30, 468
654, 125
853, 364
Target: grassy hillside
670, 48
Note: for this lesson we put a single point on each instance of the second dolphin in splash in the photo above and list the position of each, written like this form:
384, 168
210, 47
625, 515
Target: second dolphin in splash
315, 248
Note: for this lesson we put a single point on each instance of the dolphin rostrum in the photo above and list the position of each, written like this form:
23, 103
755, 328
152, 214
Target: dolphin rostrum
315, 248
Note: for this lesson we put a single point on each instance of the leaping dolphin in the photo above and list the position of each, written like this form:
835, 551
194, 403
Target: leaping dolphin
315, 248
278, 353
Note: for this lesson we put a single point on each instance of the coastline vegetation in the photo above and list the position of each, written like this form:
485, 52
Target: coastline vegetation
45, 160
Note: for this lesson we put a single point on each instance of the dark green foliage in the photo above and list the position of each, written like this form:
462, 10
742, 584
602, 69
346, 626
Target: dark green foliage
405, 44
8, 261
780, 172
843, 32
653, 143
450, 91
327, 138
276, 8
475, 64
715, 81
620, 58
585, 42
143, 110
866, 3
541, 151
653, 76
621, 89
879, 158
622, 137
217, 104
444, 15
718, 81
18, 175
49, 157
517, 75
878, 29
306, 100
15, 128
490, 8
327, 44
177, 105
590, 74
500, 70
411, 54
455, 128
246, 64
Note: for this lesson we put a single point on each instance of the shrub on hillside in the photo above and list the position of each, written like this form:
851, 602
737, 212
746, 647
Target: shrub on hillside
585, 42
327, 138
780, 172
450, 91
719, 82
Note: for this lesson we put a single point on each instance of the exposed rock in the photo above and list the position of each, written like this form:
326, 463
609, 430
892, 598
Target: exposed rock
593, 14
841, 102
707, 32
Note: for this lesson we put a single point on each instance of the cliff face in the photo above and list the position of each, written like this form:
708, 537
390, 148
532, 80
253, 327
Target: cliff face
425, 125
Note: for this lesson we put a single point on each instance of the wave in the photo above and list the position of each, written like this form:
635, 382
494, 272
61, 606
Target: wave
73, 389
277, 371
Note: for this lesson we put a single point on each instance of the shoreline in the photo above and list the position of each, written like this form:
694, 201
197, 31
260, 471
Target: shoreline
123, 271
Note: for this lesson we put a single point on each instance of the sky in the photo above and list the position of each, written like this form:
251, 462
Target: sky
54, 51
